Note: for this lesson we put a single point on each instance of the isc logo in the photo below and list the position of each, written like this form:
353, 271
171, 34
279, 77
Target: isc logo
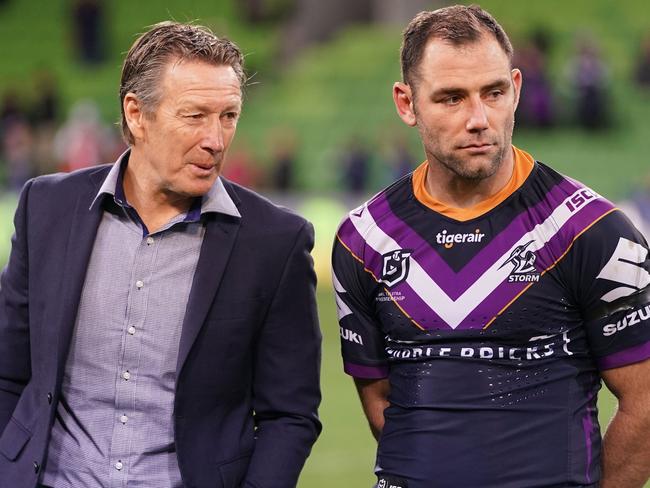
579, 199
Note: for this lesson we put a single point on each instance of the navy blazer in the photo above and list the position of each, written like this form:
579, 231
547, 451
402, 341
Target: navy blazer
247, 387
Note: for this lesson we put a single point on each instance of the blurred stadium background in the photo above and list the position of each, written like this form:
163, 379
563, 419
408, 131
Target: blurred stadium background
319, 132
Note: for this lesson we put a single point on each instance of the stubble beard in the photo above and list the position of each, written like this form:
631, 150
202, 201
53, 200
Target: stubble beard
460, 167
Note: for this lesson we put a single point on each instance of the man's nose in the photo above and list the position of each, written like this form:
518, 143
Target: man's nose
477, 118
212, 137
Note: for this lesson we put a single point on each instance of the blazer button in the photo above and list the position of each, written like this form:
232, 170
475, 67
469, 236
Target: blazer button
49, 398
37, 467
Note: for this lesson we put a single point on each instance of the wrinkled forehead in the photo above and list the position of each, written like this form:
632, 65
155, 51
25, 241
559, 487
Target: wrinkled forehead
467, 62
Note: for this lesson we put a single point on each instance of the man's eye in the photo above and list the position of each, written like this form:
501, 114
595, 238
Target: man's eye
231, 115
452, 100
495, 94
195, 116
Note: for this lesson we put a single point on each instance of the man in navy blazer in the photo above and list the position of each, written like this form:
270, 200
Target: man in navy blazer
158, 324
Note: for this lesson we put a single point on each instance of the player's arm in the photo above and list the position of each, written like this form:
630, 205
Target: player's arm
286, 387
373, 394
615, 285
626, 445
362, 341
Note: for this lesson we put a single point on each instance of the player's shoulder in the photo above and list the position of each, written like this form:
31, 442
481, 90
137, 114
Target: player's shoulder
61, 187
257, 210
74, 178
382, 205
360, 222
596, 224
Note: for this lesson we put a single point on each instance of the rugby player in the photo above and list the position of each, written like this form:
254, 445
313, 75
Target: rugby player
483, 297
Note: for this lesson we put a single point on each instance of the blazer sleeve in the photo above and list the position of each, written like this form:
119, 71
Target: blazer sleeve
15, 369
286, 386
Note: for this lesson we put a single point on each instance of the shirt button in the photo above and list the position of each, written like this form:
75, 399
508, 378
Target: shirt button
149, 241
139, 284
131, 330
119, 465
37, 467
126, 375
49, 398
123, 419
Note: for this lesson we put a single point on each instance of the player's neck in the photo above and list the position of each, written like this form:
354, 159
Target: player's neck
154, 205
454, 191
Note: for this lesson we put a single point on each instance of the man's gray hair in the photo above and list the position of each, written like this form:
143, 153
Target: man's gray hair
165, 41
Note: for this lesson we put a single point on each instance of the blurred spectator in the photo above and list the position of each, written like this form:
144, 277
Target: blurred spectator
88, 29
642, 68
17, 152
356, 167
239, 166
15, 141
397, 158
590, 82
45, 113
536, 103
284, 160
637, 207
45, 110
83, 140
11, 108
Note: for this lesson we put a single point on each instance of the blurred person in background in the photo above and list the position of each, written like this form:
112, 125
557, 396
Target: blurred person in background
642, 66
536, 103
589, 78
355, 167
89, 26
158, 323
483, 297
83, 140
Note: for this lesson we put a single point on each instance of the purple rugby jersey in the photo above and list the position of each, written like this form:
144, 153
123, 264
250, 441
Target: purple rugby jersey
492, 331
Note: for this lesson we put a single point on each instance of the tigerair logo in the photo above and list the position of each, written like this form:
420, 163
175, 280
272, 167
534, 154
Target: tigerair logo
448, 240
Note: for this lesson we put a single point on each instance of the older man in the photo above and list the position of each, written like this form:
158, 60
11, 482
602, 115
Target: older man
158, 325
483, 297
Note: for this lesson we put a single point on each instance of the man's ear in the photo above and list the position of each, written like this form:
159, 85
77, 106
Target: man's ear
517, 80
134, 115
403, 98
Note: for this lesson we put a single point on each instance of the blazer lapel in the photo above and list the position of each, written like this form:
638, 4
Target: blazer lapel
218, 241
83, 228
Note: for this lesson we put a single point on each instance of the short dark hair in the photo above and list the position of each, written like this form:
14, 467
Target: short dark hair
151, 51
458, 25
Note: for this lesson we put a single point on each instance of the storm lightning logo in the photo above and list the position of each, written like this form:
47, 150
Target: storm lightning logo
523, 261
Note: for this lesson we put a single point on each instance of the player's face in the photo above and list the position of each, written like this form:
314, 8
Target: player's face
463, 106
184, 142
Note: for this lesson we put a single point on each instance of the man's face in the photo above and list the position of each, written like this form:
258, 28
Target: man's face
184, 141
463, 106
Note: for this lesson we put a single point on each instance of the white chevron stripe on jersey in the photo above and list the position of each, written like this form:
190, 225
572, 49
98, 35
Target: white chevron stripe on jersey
453, 312
341, 308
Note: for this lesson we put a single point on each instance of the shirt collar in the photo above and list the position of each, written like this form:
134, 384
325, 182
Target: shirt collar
216, 200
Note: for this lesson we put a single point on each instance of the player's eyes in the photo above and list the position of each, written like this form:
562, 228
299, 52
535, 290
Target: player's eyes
452, 100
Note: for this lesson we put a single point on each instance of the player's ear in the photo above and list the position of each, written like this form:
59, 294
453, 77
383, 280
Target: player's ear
134, 115
517, 80
403, 98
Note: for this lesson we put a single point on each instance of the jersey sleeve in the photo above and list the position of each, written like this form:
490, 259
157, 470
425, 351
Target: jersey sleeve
612, 268
362, 340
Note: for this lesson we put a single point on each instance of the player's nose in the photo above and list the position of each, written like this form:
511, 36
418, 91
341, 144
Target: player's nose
212, 139
477, 119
